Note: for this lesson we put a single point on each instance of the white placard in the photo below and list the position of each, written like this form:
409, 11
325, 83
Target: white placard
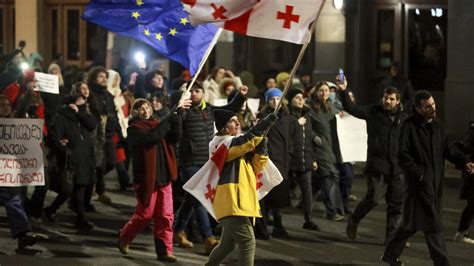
21, 155
219, 102
352, 134
253, 104
47, 82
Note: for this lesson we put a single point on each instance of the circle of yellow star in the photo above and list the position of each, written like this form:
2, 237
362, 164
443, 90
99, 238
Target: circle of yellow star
139, 2
173, 32
184, 21
158, 36
135, 14
147, 32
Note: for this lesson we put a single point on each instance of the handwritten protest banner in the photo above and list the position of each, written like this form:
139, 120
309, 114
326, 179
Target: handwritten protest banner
352, 134
21, 155
47, 82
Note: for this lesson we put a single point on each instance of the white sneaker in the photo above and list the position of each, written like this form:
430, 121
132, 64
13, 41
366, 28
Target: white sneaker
462, 237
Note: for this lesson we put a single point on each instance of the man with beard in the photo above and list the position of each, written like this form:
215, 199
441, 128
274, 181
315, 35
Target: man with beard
384, 175
101, 104
423, 148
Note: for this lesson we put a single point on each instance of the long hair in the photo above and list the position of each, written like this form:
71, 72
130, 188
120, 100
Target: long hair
318, 104
93, 73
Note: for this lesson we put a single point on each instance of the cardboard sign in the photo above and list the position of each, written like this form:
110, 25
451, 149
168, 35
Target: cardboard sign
47, 82
21, 155
352, 134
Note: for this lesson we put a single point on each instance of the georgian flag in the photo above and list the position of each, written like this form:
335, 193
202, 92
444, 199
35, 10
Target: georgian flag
203, 184
286, 20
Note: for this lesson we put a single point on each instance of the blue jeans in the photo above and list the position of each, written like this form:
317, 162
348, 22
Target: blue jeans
17, 219
190, 206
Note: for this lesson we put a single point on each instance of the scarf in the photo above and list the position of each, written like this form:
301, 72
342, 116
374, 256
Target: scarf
148, 183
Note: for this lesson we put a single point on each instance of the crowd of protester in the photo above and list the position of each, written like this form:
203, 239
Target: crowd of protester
98, 123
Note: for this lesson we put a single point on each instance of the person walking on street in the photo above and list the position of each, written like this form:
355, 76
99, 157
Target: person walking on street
236, 198
384, 175
467, 191
154, 167
423, 147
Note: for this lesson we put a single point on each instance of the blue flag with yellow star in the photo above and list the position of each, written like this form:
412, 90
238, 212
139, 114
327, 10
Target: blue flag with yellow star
162, 24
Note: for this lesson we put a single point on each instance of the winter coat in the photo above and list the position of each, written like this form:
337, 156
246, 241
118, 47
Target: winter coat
467, 180
153, 158
323, 126
383, 130
76, 128
197, 130
303, 153
423, 149
236, 192
279, 150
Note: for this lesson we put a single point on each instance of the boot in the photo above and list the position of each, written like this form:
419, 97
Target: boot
210, 243
122, 246
181, 239
105, 199
26, 240
351, 228
161, 252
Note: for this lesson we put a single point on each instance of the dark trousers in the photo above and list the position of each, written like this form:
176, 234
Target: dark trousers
379, 186
304, 180
261, 224
345, 183
78, 201
466, 216
331, 196
434, 240
110, 158
190, 206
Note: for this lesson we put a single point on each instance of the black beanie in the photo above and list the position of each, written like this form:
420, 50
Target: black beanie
221, 116
292, 93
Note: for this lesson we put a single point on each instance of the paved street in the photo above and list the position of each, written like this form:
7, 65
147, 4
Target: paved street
62, 246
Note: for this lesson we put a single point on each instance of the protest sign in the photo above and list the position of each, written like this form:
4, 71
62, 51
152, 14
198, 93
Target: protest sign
21, 155
47, 83
352, 134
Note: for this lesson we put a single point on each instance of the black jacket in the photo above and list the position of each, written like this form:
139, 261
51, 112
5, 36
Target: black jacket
77, 128
303, 151
102, 103
279, 150
383, 130
423, 149
197, 130
467, 180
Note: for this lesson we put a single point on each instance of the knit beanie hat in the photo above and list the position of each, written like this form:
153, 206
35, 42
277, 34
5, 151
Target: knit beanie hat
221, 116
281, 77
273, 92
292, 93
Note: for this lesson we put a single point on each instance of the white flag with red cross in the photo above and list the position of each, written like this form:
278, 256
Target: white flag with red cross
286, 20
203, 184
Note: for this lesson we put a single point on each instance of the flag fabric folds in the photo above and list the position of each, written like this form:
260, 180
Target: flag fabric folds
162, 24
204, 183
286, 20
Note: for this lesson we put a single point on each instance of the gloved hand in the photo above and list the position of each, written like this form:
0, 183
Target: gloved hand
264, 124
262, 147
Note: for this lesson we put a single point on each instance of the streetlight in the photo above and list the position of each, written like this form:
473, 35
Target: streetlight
338, 4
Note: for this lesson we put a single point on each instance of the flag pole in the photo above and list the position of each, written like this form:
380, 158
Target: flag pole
298, 60
203, 61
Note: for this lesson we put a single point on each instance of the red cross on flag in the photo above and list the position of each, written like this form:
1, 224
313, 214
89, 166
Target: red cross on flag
208, 11
286, 20
203, 184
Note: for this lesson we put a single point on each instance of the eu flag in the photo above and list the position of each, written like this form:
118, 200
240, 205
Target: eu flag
162, 24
